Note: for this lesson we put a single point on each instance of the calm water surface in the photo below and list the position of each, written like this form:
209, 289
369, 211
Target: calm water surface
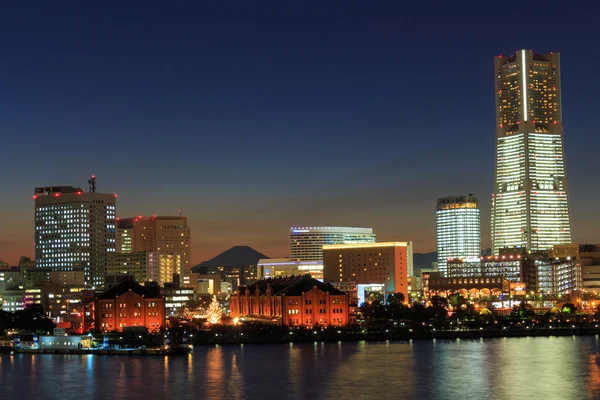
508, 368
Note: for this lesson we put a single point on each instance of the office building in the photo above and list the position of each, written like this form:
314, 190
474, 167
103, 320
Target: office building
157, 234
207, 284
75, 229
124, 236
145, 266
37, 277
292, 301
386, 263
458, 229
177, 298
306, 242
511, 267
530, 203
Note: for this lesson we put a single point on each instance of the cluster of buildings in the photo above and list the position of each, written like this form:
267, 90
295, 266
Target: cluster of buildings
532, 250
86, 258
83, 250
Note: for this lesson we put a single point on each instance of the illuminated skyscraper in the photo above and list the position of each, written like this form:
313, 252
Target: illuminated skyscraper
530, 204
157, 234
458, 229
74, 229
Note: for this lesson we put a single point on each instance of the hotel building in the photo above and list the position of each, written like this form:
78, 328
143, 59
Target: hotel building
306, 242
74, 229
384, 263
530, 204
458, 229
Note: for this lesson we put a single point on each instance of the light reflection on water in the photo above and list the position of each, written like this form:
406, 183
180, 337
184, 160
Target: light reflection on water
515, 368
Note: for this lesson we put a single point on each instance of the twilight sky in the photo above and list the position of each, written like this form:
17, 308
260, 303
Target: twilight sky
254, 116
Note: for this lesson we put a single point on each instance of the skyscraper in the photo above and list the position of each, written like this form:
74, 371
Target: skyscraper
162, 234
306, 243
458, 229
530, 204
74, 229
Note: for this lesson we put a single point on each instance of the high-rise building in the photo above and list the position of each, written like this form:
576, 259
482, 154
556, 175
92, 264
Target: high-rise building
124, 236
146, 266
74, 229
162, 235
306, 243
530, 204
458, 229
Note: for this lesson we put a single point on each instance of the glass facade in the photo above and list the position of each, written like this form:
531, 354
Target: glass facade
458, 230
530, 206
306, 243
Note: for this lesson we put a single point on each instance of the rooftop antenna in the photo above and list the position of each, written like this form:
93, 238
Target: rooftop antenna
92, 182
180, 212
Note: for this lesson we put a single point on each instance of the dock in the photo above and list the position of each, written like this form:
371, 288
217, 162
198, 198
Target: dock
107, 352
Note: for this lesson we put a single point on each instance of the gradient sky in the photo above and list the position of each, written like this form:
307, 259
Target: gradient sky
254, 116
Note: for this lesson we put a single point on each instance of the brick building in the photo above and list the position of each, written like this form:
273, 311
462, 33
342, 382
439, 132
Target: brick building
293, 301
127, 304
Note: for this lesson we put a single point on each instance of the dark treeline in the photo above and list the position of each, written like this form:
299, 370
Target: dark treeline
31, 319
457, 312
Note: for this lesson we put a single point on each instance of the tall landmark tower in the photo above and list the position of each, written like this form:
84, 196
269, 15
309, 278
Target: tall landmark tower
530, 204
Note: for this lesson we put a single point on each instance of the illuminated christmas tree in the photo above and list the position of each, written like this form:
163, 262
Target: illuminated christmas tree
214, 312
187, 314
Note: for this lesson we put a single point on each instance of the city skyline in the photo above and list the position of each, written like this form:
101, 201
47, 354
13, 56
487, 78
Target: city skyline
277, 120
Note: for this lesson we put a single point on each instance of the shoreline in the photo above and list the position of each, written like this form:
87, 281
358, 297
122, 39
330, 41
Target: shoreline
391, 336
211, 339
99, 352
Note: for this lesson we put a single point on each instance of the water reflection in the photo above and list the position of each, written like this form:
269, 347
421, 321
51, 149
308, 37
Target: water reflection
515, 368
215, 383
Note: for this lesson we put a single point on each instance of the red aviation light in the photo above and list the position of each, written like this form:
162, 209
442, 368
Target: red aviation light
35, 196
115, 195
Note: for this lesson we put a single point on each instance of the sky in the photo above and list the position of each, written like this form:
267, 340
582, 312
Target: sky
255, 116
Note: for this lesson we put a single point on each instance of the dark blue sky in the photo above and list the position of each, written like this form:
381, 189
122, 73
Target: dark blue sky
253, 116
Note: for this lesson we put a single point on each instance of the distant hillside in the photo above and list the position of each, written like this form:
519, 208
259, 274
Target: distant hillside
234, 257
